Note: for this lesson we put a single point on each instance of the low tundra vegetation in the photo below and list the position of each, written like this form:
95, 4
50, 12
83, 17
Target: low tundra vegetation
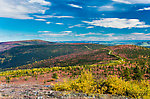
87, 83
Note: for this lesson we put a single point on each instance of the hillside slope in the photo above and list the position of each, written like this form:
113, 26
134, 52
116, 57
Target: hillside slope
86, 57
133, 53
28, 54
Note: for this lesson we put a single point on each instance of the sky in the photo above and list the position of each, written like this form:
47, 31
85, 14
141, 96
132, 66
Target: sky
74, 20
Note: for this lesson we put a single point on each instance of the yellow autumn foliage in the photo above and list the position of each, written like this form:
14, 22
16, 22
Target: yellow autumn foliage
86, 83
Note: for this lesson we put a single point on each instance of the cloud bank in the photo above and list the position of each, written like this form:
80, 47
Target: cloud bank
52, 16
146, 8
49, 33
22, 9
133, 1
75, 6
118, 23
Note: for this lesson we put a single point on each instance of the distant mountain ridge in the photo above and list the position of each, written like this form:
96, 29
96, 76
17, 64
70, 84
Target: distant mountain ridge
144, 44
8, 45
26, 42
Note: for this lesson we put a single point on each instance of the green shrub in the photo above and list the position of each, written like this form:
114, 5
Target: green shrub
25, 78
7, 79
55, 76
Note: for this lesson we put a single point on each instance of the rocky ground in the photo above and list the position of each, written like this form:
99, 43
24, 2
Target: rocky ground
25, 91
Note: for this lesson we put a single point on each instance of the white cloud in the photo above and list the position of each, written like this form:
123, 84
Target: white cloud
42, 2
148, 8
40, 19
147, 34
21, 9
119, 37
80, 34
63, 16
76, 6
59, 23
106, 8
49, 33
138, 33
52, 16
77, 25
66, 31
92, 6
111, 34
48, 22
133, 1
52, 34
89, 27
100, 38
135, 36
44, 31
118, 23
122, 1
94, 39
90, 33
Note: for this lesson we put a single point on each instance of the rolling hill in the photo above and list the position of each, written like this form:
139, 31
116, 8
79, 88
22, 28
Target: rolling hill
133, 53
27, 54
8, 45
86, 57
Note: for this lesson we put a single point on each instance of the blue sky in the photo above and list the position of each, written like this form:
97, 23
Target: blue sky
74, 20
